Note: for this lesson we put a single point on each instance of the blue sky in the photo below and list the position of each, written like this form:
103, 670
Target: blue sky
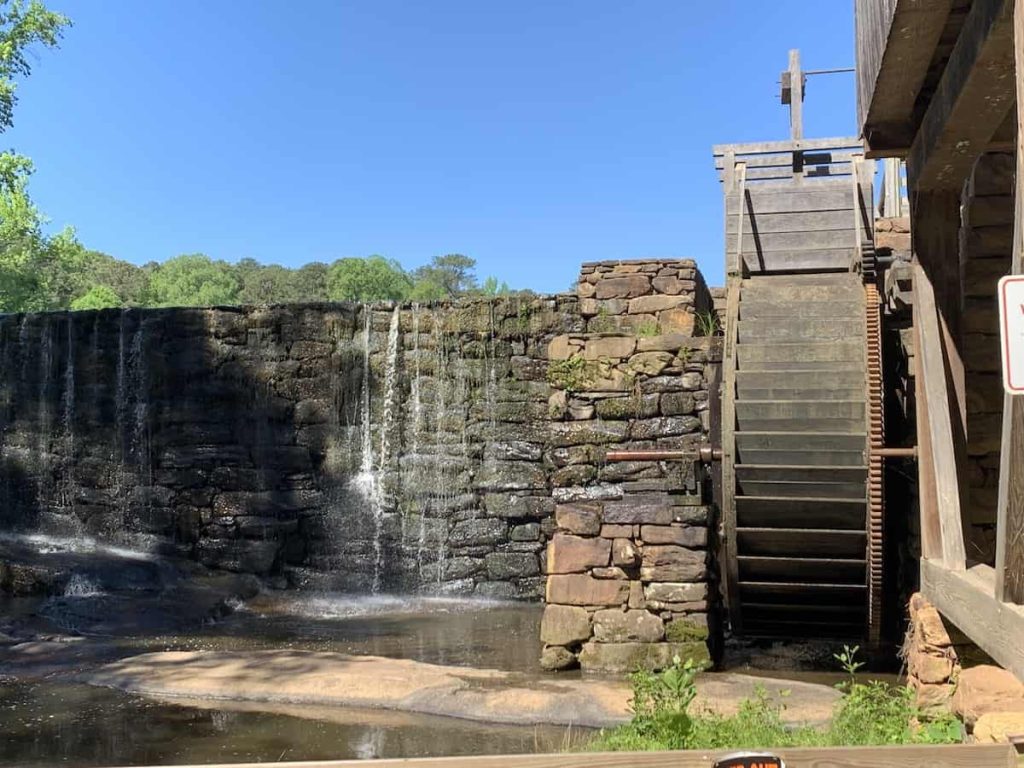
529, 135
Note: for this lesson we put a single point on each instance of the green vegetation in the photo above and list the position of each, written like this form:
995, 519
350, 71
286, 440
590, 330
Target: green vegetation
708, 322
572, 375
868, 714
647, 329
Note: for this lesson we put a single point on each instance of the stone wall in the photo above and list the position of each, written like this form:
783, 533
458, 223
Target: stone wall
363, 448
630, 575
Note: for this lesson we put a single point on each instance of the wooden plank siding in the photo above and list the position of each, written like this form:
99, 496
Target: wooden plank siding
972, 100
955, 756
1009, 572
896, 41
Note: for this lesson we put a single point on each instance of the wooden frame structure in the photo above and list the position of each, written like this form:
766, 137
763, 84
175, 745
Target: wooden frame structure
938, 81
957, 756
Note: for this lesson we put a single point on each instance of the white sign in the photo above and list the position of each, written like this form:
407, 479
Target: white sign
1011, 328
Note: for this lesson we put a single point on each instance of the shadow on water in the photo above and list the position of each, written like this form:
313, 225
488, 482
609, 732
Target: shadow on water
45, 725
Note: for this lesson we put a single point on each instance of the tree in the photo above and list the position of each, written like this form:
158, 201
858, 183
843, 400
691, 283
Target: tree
309, 282
371, 279
37, 271
97, 297
129, 281
270, 284
193, 280
451, 275
491, 287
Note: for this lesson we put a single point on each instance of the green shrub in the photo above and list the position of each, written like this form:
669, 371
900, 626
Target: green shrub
572, 375
868, 714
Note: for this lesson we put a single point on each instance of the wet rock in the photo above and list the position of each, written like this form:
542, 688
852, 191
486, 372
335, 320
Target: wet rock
470, 533
554, 658
627, 657
238, 555
677, 404
510, 476
564, 625
525, 532
503, 566
516, 505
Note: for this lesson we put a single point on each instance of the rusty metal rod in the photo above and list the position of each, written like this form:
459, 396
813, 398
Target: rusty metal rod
705, 453
896, 453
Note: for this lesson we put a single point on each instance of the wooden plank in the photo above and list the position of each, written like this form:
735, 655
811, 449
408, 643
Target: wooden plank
811, 172
801, 456
828, 196
782, 262
809, 473
811, 441
812, 240
768, 147
895, 47
800, 221
794, 489
785, 159
729, 452
938, 423
1009, 573
778, 512
801, 569
971, 101
967, 598
959, 756
796, 542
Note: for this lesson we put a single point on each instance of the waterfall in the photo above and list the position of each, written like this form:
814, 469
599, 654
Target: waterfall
138, 373
67, 491
120, 425
417, 427
367, 481
45, 481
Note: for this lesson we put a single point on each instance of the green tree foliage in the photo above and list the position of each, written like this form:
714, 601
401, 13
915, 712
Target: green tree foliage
37, 271
310, 282
371, 279
270, 284
446, 277
97, 297
193, 280
491, 287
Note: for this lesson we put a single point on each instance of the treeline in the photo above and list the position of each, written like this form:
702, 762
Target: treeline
75, 278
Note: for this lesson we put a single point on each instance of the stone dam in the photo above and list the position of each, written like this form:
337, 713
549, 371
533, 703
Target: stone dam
380, 448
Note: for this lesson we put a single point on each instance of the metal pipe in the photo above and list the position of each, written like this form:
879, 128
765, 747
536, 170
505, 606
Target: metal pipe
896, 453
704, 453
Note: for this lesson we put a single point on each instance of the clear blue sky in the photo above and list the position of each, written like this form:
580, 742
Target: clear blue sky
529, 135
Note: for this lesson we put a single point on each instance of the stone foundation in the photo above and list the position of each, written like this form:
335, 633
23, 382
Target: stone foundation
629, 573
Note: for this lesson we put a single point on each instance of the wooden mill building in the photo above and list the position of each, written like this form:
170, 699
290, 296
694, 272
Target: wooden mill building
939, 84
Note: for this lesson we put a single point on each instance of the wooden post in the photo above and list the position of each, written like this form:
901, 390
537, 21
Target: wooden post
940, 426
1009, 574
796, 98
731, 570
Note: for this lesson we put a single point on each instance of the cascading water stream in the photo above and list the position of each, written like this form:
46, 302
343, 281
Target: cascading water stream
67, 491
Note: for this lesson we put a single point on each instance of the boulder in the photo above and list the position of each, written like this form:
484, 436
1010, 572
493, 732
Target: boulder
999, 727
564, 625
575, 554
987, 688
617, 626
581, 589
554, 658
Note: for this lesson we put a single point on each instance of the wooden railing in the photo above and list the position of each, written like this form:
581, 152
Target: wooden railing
957, 756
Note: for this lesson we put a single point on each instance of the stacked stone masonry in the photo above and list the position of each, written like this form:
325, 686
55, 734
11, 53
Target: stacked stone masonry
361, 448
630, 576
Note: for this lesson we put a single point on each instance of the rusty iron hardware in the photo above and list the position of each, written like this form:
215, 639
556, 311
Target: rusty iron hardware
896, 453
705, 453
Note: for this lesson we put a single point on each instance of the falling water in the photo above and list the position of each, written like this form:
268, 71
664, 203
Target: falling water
367, 481
417, 427
139, 382
68, 421
44, 490
120, 424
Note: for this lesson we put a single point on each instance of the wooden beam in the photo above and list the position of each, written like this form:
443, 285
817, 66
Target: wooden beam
1010, 509
730, 571
939, 423
796, 99
933, 756
890, 79
967, 598
772, 147
971, 101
